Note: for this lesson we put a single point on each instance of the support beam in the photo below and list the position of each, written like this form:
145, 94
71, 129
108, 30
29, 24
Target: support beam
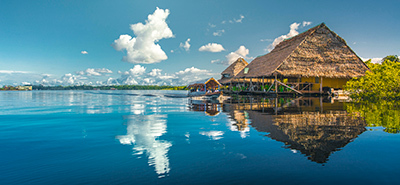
271, 86
289, 87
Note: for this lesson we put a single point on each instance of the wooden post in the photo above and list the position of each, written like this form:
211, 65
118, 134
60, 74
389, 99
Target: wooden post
276, 85
263, 83
251, 84
320, 85
230, 85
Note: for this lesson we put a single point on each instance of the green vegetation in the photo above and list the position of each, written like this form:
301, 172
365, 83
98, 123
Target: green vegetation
376, 95
383, 113
112, 87
381, 83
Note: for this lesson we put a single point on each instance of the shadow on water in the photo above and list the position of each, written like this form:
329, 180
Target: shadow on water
316, 127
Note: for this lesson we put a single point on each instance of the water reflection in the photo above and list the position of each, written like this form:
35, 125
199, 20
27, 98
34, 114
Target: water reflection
143, 132
383, 113
315, 127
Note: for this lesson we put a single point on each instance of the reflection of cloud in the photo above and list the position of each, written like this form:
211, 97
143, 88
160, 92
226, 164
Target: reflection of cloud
239, 122
143, 132
214, 135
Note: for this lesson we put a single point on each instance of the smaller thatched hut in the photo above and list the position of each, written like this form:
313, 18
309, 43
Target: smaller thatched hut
229, 73
209, 87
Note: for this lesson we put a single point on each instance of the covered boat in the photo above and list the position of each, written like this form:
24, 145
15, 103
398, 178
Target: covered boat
207, 89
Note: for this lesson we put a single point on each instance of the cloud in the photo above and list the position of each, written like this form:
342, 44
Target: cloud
143, 47
84, 52
266, 40
212, 25
12, 77
212, 47
215, 61
138, 76
155, 72
218, 32
233, 56
242, 52
12, 72
373, 60
94, 72
185, 45
306, 23
241, 17
293, 32
192, 70
214, 135
239, 20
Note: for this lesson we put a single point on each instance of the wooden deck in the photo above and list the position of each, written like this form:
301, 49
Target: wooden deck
273, 93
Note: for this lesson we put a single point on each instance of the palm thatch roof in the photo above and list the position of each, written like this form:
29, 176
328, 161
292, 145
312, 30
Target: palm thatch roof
232, 70
209, 83
318, 52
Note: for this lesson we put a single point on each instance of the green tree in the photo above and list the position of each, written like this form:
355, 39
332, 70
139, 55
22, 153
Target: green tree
393, 58
382, 82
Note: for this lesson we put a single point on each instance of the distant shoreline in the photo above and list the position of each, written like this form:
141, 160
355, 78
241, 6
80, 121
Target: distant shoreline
89, 87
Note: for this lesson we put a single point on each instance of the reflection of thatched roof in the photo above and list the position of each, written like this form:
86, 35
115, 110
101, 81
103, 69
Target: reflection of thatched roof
318, 52
314, 134
210, 109
233, 70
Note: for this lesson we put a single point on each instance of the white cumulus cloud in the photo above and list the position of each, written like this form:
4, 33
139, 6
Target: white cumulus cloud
185, 45
94, 72
373, 60
143, 47
212, 47
84, 52
292, 32
242, 52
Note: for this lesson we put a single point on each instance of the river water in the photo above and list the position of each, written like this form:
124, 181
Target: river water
162, 137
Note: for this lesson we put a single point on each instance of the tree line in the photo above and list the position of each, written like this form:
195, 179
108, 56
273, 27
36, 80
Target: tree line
110, 87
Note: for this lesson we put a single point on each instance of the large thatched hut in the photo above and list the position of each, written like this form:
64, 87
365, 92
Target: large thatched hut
315, 60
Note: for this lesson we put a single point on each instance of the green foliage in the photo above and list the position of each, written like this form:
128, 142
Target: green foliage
383, 113
393, 58
382, 82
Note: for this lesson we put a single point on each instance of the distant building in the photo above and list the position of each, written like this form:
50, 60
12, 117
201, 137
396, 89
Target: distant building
24, 88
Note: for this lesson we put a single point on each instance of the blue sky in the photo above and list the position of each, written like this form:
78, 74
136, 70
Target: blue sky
79, 42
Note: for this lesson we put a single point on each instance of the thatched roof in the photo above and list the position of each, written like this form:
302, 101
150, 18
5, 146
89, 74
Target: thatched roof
318, 52
210, 83
233, 70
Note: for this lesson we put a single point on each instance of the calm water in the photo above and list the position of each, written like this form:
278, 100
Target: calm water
160, 137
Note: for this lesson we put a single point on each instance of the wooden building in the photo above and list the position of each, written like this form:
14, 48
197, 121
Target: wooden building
314, 61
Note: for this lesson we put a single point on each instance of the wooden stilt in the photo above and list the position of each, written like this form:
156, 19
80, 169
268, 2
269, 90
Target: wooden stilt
276, 85
320, 85
263, 83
